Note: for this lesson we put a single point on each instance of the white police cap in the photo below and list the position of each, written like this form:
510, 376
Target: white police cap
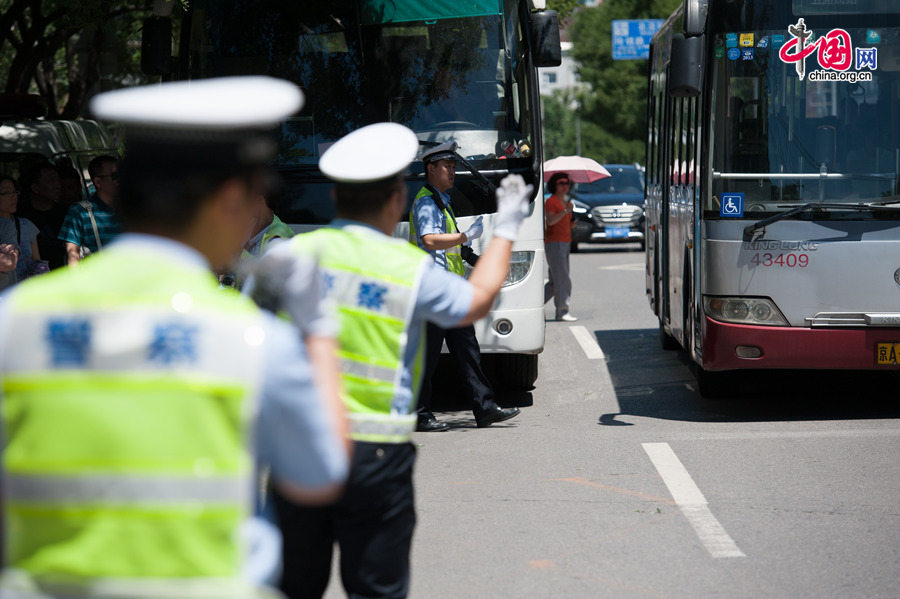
371, 153
209, 104
445, 151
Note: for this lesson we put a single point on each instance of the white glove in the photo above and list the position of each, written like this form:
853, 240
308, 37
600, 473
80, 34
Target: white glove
474, 231
512, 206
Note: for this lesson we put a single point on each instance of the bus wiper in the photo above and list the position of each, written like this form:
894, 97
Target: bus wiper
750, 231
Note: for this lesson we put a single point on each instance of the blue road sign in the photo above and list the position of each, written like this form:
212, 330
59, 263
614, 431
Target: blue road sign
631, 39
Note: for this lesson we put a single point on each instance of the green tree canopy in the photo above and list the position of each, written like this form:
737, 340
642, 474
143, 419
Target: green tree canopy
64, 50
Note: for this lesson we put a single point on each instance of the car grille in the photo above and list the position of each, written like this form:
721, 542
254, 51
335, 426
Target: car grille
616, 214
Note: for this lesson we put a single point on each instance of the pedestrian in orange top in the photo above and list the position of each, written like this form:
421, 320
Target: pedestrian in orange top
557, 242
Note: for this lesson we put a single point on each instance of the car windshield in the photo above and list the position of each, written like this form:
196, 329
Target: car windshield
622, 179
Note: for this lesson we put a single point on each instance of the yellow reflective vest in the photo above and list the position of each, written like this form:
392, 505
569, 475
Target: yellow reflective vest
126, 412
454, 258
371, 282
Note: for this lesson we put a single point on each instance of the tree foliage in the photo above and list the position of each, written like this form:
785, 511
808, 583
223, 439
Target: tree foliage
563, 7
65, 50
612, 109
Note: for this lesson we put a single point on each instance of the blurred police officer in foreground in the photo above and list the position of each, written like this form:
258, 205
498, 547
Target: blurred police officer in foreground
432, 227
382, 290
138, 392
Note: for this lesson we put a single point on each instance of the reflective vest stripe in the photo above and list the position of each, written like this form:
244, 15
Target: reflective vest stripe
390, 299
131, 340
124, 489
454, 258
17, 584
368, 371
373, 427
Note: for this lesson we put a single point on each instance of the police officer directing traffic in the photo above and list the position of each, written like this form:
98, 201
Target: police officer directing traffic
383, 290
138, 393
432, 226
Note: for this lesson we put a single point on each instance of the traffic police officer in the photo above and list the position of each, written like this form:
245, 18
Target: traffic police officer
383, 290
135, 392
432, 226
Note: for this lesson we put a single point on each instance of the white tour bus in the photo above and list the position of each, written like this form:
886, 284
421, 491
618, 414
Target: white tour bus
450, 71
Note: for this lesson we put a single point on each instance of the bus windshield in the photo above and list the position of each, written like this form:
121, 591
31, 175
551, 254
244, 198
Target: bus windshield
449, 71
789, 130
445, 78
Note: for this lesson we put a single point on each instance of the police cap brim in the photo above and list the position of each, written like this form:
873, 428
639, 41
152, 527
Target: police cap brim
371, 153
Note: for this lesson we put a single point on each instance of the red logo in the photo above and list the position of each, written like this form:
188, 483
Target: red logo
835, 50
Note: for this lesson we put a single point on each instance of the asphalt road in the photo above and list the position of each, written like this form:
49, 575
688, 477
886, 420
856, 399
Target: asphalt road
619, 480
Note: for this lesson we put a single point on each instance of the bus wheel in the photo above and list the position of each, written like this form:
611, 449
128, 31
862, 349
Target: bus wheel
667, 341
716, 385
513, 372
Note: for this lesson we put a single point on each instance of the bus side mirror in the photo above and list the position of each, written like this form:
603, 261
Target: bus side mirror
686, 66
156, 46
695, 12
545, 48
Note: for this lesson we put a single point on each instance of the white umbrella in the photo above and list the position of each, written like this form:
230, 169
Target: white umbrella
579, 169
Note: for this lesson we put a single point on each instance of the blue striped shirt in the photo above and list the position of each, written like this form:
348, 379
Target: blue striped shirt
77, 228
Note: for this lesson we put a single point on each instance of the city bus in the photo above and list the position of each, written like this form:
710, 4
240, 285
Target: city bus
463, 71
773, 214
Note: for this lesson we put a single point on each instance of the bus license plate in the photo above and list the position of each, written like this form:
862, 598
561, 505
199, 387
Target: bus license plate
617, 232
887, 354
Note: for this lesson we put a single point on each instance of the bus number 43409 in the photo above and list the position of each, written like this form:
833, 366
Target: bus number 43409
781, 260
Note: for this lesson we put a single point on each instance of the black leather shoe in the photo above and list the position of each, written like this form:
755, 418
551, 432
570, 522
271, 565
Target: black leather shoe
496, 414
431, 425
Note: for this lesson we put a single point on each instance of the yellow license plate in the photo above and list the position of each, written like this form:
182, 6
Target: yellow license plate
887, 354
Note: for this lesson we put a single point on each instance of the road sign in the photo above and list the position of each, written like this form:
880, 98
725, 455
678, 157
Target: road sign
631, 39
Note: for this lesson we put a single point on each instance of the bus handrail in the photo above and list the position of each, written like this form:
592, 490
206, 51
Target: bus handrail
720, 175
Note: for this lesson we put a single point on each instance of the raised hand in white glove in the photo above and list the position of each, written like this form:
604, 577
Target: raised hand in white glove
474, 231
512, 206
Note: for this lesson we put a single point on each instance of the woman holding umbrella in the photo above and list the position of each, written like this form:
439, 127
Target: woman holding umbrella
557, 241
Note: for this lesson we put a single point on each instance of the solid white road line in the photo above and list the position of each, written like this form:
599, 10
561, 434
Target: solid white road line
691, 501
587, 342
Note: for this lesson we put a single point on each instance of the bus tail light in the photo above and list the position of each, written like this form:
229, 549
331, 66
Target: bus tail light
519, 265
744, 310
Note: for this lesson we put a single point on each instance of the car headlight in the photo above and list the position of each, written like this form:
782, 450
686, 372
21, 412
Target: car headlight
744, 310
519, 265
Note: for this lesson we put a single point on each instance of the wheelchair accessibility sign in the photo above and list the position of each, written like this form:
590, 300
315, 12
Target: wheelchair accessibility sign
732, 205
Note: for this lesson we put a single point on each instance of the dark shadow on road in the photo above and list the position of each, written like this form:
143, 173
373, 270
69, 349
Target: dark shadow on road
654, 383
449, 394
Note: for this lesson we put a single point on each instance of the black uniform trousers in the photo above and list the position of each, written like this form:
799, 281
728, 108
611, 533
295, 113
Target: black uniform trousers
463, 346
372, 523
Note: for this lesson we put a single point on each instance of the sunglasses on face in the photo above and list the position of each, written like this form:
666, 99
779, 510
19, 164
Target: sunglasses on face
562, 182
113, 176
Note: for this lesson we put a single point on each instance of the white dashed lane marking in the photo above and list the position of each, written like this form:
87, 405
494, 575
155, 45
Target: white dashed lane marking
691, 501
587, 342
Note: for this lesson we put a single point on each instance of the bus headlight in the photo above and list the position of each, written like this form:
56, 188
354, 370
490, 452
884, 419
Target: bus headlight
744, 310
519, 265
